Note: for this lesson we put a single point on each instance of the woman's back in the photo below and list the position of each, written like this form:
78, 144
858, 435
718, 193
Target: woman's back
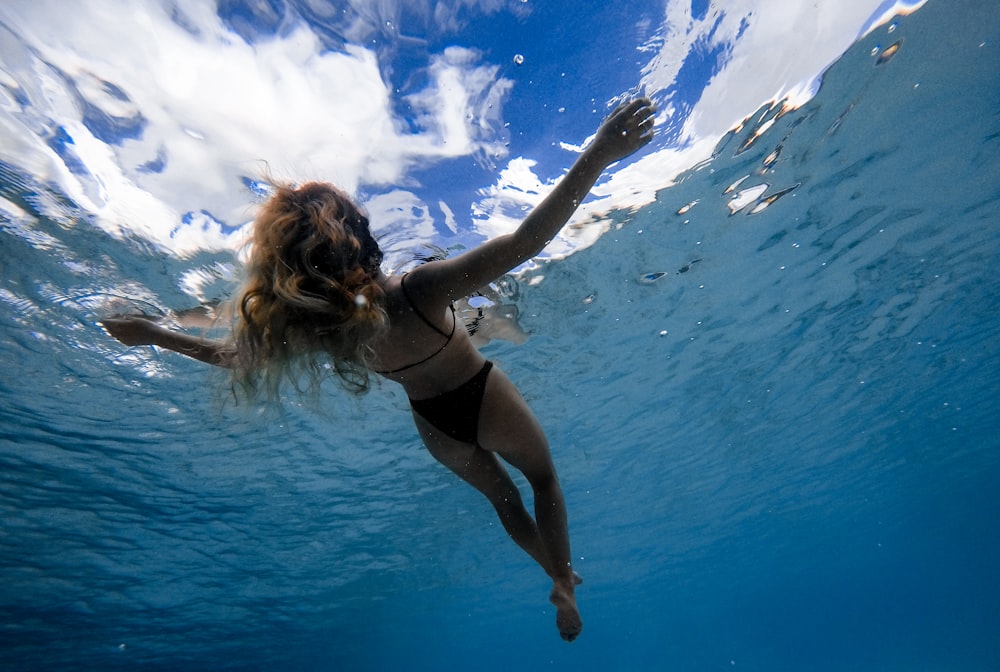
426, 348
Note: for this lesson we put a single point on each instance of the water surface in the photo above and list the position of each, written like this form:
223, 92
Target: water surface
770, 387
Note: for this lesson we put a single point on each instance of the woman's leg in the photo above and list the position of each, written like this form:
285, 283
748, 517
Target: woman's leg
508, 428
483, 471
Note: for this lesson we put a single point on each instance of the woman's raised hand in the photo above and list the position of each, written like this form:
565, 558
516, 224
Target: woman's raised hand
627, 128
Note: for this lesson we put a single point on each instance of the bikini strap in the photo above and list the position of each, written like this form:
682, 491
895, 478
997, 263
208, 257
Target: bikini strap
406, 295
430, 324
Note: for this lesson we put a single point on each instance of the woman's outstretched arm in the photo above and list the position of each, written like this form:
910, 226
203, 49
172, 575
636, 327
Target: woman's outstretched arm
139, 330
627, 128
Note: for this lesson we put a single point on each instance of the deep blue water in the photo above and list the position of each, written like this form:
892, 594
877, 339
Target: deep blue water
780, 454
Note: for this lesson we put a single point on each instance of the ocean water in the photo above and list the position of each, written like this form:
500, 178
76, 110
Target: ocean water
771, 389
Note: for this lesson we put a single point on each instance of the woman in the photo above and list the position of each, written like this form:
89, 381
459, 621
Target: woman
315, 294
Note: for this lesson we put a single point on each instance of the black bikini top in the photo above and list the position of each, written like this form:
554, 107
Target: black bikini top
454, 324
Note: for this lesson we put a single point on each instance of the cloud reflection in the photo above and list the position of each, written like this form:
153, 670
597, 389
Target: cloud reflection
154, 117
213, 108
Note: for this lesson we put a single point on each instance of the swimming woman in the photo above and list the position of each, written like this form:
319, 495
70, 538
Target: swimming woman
315, 293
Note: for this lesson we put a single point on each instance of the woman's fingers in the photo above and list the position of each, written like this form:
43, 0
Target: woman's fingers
627, 128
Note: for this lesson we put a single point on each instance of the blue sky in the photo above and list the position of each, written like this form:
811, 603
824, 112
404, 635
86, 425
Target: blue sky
420, 108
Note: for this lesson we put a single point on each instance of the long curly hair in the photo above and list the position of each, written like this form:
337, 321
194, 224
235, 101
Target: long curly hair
311, 302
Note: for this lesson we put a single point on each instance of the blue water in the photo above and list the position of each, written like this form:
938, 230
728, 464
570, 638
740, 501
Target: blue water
777, 427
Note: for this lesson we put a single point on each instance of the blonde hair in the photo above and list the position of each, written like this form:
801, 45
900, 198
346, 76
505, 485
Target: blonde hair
311, 301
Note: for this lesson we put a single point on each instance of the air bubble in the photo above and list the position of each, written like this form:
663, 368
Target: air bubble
650, 278
684, 208
888, 52
518, 59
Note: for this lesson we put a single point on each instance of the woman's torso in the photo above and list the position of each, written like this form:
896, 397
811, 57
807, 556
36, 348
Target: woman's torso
411, 352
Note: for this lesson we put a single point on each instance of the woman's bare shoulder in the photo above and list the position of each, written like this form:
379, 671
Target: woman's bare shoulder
422, 285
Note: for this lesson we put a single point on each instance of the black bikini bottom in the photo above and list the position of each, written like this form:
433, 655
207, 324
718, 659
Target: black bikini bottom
456, 412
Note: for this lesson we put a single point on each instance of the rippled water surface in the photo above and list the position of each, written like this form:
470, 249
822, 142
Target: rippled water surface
771, 387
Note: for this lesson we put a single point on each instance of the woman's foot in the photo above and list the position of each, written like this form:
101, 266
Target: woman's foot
567, 616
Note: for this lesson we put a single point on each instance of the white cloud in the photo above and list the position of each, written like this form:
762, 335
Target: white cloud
462, 108
217, 108
505, 204
772, 50
784, 48
398, 212
449, 217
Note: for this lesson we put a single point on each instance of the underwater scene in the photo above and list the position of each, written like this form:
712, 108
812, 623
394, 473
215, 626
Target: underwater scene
765, 350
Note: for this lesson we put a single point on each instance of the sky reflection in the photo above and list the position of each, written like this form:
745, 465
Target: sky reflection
155, 117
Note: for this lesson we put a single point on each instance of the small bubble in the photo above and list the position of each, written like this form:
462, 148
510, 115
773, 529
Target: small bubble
518, 59
360, 301
684, 208
889, 52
